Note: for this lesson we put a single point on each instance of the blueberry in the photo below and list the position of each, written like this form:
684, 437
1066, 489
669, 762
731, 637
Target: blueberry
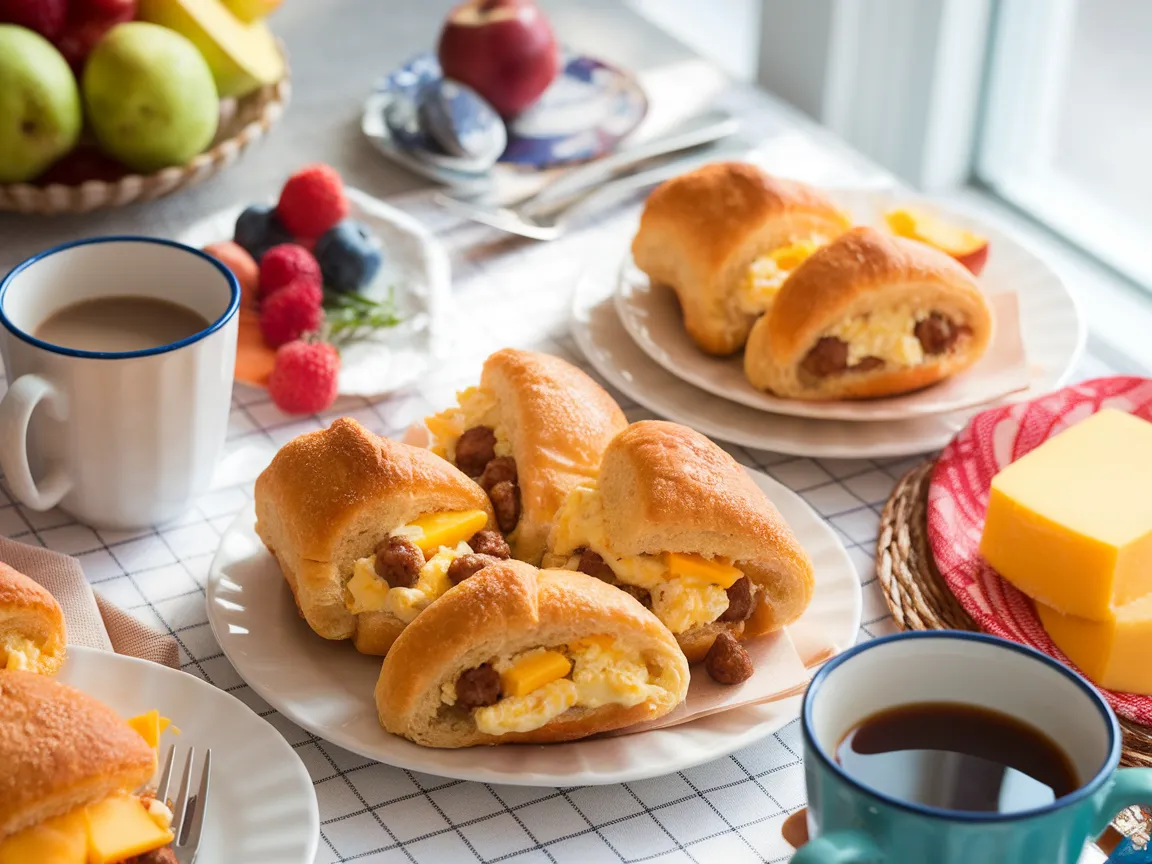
258, 230
349, 256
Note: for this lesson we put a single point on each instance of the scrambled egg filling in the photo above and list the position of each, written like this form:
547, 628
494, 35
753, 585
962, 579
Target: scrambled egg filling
23, 654
601, 674
888, 334
678, 602
367, 592
767, 274
475, 407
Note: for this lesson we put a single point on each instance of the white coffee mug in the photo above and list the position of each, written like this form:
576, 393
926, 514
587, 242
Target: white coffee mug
121, 439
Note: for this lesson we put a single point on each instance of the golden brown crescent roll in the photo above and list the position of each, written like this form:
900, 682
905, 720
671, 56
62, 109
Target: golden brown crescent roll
516, 654
534, 428
725, 237
869, 315
675, 521
32, 634
68, 769
365, 529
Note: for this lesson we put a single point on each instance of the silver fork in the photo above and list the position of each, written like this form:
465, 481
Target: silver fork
187, 810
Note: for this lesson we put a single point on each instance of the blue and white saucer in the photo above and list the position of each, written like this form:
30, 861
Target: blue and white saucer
584, 114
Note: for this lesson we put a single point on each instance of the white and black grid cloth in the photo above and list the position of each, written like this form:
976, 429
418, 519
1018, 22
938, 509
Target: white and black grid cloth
730, 810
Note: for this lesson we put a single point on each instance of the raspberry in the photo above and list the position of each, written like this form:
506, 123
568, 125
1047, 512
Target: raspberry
304, 379
289, 314
46, 17
312, 201
287, 263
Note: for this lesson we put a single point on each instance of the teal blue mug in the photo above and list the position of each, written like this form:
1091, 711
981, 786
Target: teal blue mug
853, 823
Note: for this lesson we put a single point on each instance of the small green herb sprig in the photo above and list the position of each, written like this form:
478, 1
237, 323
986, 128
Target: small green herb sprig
349, 317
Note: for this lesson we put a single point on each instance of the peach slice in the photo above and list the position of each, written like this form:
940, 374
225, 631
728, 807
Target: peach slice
254, 359
967, 247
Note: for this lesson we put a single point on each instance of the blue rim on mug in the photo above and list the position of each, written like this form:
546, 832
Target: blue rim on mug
6, 283
1086, 790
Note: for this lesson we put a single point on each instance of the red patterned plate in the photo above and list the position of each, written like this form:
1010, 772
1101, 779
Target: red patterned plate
958, 500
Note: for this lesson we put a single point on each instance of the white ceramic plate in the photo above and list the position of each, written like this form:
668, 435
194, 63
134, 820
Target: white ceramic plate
261, 807
415, 264
327, 687
1050, 325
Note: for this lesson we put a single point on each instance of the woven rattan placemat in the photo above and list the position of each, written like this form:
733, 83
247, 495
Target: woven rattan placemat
920, 599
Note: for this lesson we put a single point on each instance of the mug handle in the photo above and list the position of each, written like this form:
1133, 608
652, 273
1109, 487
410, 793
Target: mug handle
1129, 786
840, 847
16, 409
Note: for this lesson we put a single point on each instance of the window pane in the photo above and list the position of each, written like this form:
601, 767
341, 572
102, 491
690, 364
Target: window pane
1104, 132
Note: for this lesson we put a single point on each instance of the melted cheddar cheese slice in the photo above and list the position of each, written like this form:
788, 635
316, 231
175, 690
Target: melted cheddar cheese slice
538, 686
766, 275
687, 590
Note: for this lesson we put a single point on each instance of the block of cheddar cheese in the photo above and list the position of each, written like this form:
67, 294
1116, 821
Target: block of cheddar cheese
1114, 653
1070, 523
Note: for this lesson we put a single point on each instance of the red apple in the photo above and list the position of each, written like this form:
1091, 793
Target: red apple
83, 163
502, 49
88, 21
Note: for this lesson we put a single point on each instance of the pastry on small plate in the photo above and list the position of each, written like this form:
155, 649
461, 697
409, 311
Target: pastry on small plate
673, 520
32, 634
366, 530
535, 427
516, 654
725, 237
869, 315
71, 771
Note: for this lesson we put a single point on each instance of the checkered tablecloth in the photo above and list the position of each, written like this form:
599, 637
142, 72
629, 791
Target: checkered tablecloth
506, 292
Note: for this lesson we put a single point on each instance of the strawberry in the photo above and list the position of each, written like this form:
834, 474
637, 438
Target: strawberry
304, 378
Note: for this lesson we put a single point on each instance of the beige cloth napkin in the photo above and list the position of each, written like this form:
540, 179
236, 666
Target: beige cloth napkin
91, 620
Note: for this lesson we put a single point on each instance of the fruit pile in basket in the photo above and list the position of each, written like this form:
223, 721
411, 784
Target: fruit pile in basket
96, 89
302, 265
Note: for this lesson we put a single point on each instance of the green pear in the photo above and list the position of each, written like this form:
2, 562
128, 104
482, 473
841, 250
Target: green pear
40, 116
149, 96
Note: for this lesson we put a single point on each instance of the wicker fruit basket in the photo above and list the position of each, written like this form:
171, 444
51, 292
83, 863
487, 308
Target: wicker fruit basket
243, 122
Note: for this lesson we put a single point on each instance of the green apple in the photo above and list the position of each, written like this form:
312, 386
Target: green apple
40, 115
149, 96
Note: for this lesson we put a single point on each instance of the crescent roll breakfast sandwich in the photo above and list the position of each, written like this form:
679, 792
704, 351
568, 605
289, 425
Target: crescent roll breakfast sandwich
869, 315
366, 530
516, 654
32, 635
535, 427
673, 520
70, 775
725, 237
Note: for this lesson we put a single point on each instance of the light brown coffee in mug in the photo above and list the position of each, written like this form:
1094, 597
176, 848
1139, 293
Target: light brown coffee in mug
119, 324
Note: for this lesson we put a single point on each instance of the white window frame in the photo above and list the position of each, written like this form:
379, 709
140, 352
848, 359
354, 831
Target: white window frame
1016, 159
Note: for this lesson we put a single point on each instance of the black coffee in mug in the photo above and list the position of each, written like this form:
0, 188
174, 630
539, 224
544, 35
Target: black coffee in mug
957, 757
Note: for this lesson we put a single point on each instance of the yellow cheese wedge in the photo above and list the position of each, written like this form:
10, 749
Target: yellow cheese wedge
1113, 654
1070, 524
119, 827
448, 529
150, 726
61, 840
534, 672
698, 571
